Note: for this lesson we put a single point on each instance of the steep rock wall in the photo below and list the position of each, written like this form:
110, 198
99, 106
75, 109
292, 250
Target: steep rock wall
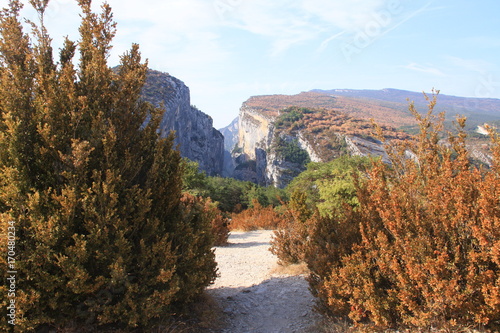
230, 133
195, 135
255, 131
257, 156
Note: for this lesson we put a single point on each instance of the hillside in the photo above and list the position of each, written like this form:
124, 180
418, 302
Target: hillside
276, 140
477, 110
278, 134
383, 112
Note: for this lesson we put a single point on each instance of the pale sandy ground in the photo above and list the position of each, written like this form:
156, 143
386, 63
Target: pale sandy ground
254, 293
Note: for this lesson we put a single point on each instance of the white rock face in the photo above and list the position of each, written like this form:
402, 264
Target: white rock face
304, 144
361, 147
255, 157
255, 131
230, 133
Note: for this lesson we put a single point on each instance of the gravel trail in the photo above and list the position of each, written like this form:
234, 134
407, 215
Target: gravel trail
253, 295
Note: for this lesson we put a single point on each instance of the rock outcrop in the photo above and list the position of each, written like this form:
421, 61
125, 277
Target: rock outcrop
230, 133
255, 156
255, 132
195, 135
268, 153
277, 132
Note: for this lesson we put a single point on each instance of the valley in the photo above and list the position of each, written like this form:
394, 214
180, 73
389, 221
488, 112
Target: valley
325, 124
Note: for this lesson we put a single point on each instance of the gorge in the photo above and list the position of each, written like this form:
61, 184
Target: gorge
275, 136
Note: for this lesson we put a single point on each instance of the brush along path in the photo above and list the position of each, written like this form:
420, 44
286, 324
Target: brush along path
253, 293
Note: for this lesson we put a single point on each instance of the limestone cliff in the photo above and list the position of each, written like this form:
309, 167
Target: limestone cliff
230, 133
195, 135
255, 132
275, 144
255, 154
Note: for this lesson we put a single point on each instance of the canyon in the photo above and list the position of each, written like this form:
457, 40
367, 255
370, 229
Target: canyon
264, 146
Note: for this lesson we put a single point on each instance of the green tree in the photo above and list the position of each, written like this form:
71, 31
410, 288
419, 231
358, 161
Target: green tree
102, 235
290, 151
194, 181
329, 186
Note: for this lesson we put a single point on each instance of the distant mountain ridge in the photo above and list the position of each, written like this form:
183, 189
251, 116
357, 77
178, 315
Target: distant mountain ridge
276, 131
475, 109
230, 133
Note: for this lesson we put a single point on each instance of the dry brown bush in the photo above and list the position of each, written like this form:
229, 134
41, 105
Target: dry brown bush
423, 249
290, 240
255, 218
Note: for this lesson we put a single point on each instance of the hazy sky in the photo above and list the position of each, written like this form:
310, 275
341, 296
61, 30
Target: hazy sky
228, 50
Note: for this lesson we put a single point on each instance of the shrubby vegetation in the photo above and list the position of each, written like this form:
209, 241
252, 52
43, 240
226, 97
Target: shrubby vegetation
256, 217
104, 234
290, 151
329, 186
229, 194
420, 248
290, 240
290, 116
113, 227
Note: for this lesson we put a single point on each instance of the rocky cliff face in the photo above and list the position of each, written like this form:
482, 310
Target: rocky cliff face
274, 147
255, 132
255, 156
279, 134
230, 133
195, 135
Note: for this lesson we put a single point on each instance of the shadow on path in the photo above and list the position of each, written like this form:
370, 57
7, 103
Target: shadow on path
247, 244
279, 304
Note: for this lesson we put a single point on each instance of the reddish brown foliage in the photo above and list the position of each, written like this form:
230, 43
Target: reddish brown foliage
353, 107
290, 240
424, 247
206, 209
255, 218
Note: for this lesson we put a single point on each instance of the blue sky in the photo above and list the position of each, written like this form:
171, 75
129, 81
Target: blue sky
229, 50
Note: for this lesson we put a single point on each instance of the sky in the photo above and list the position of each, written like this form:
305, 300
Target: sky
226, 51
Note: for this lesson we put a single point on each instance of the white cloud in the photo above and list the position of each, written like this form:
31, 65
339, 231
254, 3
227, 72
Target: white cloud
424, 69
279, 21
348, 16
176, 24
473, 65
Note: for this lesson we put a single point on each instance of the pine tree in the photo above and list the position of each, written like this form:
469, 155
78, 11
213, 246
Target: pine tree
102, 235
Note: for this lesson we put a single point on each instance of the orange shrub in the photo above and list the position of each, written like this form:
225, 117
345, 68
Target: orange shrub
209, 211
256, 217
423, 249
290, 240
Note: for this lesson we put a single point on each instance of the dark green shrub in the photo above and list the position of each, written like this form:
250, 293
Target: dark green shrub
103, 233
290, 151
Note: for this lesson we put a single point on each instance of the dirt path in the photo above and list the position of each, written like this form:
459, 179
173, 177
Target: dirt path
254, 298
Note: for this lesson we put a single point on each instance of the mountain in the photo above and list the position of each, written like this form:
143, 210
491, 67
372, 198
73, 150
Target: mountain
477, 110
230, 133
195, 135
279, 134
